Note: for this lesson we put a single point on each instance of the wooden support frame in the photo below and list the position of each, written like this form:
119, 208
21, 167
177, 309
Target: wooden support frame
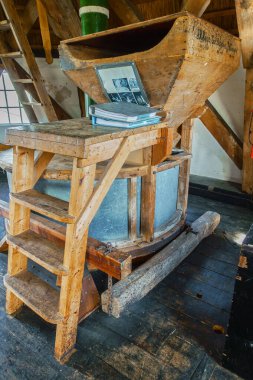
19, 218
184, 171
45, 33
223, 134
244, 13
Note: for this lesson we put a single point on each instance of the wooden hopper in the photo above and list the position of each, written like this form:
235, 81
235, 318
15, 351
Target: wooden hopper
181, 59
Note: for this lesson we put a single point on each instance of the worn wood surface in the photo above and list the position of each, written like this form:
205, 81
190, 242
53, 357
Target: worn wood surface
147, 276
223, 134
44, 204
76, 137
196, 7
164, 330
244, 14
185, 46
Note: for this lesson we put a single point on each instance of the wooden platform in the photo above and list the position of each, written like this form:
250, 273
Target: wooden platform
167, 335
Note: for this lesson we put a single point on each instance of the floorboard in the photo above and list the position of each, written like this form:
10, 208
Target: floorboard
167, 335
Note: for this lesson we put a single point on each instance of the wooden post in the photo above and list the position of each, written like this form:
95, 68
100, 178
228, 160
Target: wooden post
184, 171
148, 191
244, 13
82, 184
132, 207
23, 161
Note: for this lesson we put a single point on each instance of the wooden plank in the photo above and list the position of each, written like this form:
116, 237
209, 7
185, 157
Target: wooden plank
40, 250
126, 11
112, 261
196, 7
162, 150
23, 160
29, 16
45, 33
103, 186
244, 14
132, 208
148, 275
44, 204
148, 193
223, 134
184, 170
82, 184
63, 27
36, 294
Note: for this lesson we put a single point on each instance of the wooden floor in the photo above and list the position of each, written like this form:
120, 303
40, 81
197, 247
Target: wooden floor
167, 335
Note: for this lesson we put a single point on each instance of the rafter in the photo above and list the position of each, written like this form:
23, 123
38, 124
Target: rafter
223, 134
196, 7
63, 18
126, 11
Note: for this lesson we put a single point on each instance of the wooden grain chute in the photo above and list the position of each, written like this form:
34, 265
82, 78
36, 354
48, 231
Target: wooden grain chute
181, 59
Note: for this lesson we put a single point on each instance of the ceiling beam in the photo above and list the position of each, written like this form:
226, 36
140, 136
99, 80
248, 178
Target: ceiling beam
196, 7
29, 15
63, 18
125, 11
223, 134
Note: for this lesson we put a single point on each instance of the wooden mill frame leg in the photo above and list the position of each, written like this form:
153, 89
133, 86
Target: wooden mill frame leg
22, 179
82, 185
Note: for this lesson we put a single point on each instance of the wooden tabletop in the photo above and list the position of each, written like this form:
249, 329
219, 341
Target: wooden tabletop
70, 137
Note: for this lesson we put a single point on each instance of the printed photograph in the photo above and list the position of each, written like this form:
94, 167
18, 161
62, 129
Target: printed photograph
133, 84
114, 97
127, 97
121, 85
140, 99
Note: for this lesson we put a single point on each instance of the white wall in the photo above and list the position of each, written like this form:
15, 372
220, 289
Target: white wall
209, 159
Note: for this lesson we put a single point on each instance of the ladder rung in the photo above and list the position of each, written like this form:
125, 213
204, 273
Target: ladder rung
42, 251
13, 54
24, 81
44, 204
36, 294
31, 103
5, 25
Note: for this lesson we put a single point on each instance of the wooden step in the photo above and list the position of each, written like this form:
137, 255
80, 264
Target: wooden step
5, 25
23, 81
12, 55
44, 204
31, 104
42, 251
36, 294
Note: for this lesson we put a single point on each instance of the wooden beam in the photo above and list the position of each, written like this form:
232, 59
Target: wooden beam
63, 18
244, 13
29, 16
223, 134
142, 280
184, 169
45, 33
196, 7
103, 185
126, 11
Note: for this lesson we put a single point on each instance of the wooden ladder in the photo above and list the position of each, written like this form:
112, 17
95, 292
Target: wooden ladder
67, 263
23, 82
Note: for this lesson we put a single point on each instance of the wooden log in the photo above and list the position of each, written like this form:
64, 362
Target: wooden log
148, 275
